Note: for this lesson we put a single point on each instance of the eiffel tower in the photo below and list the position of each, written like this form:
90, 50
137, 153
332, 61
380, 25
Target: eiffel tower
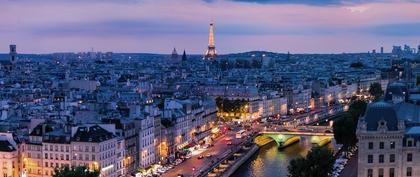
211, 49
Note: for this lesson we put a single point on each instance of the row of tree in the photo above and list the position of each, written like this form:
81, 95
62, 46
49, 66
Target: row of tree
80, 171
235, 106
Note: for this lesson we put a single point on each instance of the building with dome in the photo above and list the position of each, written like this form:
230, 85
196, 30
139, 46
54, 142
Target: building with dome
389, 137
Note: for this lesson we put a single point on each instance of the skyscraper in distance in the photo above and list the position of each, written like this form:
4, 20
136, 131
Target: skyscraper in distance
211, 49
382, 50
418, 50
12, 54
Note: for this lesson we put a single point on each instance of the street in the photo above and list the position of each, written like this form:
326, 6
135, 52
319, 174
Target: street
220, 146
192, 166
350, 170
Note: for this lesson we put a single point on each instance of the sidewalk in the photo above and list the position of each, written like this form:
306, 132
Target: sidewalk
350, 170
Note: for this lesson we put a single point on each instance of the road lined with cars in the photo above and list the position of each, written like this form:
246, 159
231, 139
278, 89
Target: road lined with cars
231, 135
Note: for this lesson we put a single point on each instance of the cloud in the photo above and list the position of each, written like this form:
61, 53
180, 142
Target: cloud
116, 28
397, 29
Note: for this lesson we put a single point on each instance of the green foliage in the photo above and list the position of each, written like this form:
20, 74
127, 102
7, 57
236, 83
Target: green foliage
375, 90
418, 80
356, 65
235, 106
317, 163
80, 171
345, 130
357, 108
345, 127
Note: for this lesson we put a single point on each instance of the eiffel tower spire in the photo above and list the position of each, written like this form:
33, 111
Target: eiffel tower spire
211, 49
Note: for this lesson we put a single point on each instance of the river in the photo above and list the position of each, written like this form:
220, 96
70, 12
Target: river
271, 162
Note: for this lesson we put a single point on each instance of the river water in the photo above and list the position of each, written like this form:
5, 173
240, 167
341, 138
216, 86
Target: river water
271, 162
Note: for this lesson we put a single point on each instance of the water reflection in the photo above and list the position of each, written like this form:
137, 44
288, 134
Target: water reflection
271, 162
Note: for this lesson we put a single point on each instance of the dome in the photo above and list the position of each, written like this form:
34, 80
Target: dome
396, 89
381, 113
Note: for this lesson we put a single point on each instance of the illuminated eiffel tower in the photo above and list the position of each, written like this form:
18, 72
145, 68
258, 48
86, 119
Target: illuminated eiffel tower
211, 49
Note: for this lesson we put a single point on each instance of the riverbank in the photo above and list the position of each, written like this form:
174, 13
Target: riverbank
269, 161
239, 162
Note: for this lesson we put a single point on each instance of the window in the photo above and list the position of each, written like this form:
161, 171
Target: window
409, 171
46, 156
391, 172
392, 158
46, 164
409, 157
381, 145
381, 172
381, 158
370, 145
392, 145
409, 143
370, 158
369, 173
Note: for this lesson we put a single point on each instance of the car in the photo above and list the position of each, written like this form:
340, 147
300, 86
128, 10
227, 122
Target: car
180, 175
229, 143
188, 156
200, 157
161, 170
208, 155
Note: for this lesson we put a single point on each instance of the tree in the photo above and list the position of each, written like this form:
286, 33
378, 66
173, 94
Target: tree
418, 80
344, 130
80, 171
317, 163
297, 167
344, 127
375, 90
357, 108
356, 65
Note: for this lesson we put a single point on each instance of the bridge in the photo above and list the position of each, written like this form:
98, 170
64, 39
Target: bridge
319, 135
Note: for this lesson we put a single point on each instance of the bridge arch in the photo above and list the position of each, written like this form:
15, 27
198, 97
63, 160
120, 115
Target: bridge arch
265, 138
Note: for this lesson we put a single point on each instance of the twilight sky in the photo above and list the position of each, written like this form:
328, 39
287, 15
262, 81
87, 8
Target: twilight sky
156, 26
